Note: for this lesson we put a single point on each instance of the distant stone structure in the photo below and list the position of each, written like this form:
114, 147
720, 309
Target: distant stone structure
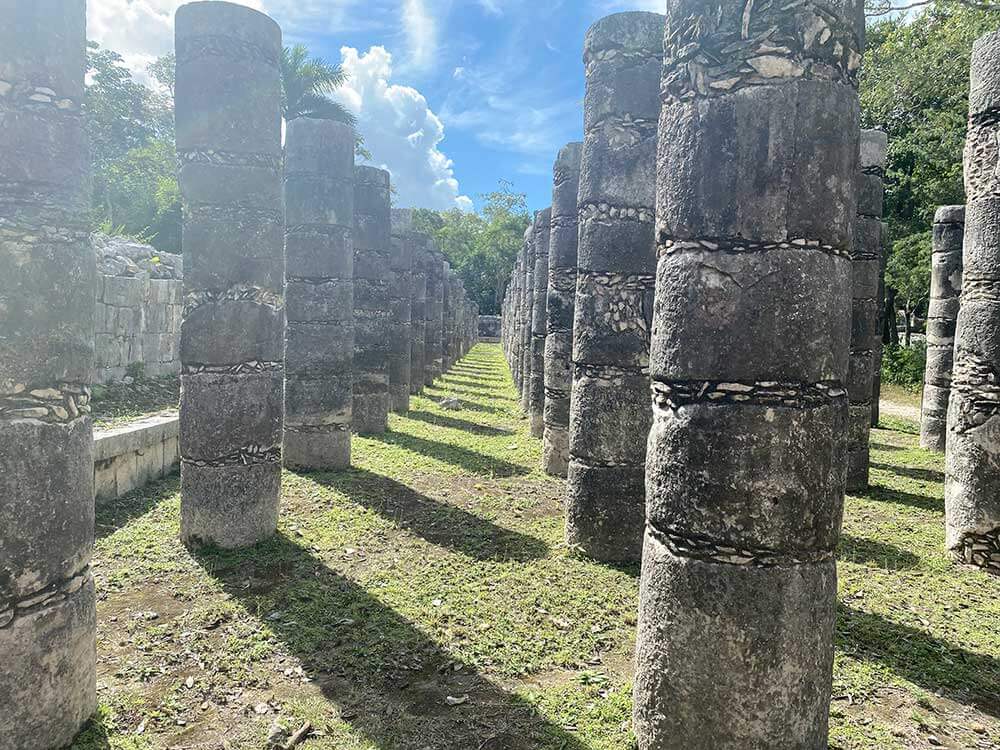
319, 247
540, 282
400, 310
372, 273
488, 326
942, 314
756, 203
447, 318
139, 309
866, 262
972, 453
610, 409
560, 303
48, 685
434, 312
418, 307
228, 114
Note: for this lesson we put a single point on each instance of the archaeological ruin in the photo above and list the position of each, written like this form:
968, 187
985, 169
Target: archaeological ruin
539, 291
228, 112
400, 310
609, 407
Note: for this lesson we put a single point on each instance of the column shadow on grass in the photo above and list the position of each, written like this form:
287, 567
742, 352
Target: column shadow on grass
923, 475
442, 420
899, 497
930, 662
112, 515
479, 382
462, 458
868, 551
489, 392
388, 678
438, 522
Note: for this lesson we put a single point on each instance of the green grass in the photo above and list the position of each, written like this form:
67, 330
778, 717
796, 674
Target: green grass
436, 569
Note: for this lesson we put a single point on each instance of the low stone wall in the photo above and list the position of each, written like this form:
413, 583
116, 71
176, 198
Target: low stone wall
489, 328
129, 457
139, 308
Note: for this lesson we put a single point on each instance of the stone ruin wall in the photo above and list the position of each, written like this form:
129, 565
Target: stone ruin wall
138, 309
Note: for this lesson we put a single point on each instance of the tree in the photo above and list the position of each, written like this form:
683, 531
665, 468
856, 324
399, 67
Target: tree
481, 247
908, 272
306, 83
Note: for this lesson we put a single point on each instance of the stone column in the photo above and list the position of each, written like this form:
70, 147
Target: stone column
527, 306
47, 289
228, 111
756, 204
972, 453
513, 332
418, 301
879, 345
400, 310
946, 285
540, 283
866, 259
372, 264
560, 304
434, 309
319, 293
610, 410
446, 318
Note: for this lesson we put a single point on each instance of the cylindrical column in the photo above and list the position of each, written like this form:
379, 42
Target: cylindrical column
372, 264
418, 302
972, 453
319, 293
560, 296
942, 314
609, 408
756, 204
434, 311
47, 276
228, 113
446, 317
540, 285
527, 307
400, 310
866, 259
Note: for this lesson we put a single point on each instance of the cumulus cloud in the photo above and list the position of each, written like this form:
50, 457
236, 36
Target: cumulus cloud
401, 131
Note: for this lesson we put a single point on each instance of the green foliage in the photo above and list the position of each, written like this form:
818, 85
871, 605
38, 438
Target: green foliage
306, 83
914, 86
904, 365
482, 246
908, 269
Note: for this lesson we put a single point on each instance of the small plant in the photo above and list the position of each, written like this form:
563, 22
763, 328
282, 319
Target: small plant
904, 365
136, 370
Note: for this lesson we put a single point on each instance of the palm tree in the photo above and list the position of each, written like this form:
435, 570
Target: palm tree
306, 82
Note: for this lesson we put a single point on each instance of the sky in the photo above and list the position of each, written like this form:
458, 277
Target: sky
452, 96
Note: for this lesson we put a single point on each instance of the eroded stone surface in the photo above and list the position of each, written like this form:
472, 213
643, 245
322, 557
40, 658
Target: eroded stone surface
610, 414
401, 309
540, 278
228, 111
757, 199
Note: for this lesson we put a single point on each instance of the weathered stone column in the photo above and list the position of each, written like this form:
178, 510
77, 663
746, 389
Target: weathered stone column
756, 204
866, 259
540, 283
319, 293
228, 111
418, 302
400, 310
560, 298
527, 308
514, 332
610, 410
434, 309
972, 453
372, 264
446, 317
946, 285
47, 286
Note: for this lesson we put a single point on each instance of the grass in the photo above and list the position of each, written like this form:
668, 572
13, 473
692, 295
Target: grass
426, 599
117, 404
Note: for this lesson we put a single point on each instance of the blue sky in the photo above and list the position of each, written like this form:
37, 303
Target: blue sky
452, 95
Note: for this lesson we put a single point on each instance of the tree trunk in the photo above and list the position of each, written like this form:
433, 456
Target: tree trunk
907, 324
890, 334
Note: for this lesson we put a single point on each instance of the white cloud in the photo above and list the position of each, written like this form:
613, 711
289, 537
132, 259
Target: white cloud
491, 6
401, 131
421, 32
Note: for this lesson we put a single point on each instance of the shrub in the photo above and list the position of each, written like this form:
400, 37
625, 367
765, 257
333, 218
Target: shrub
903, 365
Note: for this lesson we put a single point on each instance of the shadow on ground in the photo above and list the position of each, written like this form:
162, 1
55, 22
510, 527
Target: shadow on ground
435, 521
391, 681
461, 458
